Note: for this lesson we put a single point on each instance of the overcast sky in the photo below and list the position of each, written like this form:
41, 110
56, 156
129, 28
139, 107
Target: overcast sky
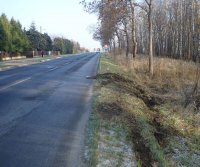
56, 17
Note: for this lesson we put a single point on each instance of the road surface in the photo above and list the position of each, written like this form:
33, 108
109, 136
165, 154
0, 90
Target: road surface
43, 112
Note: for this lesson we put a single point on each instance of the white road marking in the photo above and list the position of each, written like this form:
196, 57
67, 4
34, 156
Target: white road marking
53, 69
15, 83
49, 67
24, 80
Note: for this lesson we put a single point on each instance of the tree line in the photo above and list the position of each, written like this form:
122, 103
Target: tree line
15, 39
155, 27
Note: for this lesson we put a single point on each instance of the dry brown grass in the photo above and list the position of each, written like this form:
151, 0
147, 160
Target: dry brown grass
171, 72
178, 84
175, 77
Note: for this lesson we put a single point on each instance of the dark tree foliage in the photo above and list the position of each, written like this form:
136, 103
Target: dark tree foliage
12, 36
49, 42
63, 45
69, 46
19, 39
5, 35
38, 41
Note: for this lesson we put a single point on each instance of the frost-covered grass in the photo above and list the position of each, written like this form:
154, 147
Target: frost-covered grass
91, 142
113, 147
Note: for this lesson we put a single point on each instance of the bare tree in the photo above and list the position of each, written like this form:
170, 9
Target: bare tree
158, 27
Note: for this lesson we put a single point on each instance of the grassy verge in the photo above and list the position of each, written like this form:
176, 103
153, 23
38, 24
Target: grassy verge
162, 131
108, 139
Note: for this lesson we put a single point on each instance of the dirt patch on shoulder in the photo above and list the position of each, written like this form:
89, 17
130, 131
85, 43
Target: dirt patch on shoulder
109, 110
126, 85
143, 153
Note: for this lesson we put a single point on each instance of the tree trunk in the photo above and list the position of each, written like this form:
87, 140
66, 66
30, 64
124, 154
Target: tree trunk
150, 39
127, 40
127, 45
133, 30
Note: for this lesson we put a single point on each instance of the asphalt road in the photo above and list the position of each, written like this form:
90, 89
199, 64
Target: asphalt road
44, 109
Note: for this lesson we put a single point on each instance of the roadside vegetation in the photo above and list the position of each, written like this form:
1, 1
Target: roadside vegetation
16, 40
159, 115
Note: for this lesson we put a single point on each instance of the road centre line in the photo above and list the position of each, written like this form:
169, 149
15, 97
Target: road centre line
55, 68
24, 80
15, 83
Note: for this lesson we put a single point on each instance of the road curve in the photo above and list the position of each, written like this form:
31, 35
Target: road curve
43, 112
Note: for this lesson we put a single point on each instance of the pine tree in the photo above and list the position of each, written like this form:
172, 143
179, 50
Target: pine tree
5, 35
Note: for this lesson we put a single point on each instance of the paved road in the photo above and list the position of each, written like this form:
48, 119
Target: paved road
43, 112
